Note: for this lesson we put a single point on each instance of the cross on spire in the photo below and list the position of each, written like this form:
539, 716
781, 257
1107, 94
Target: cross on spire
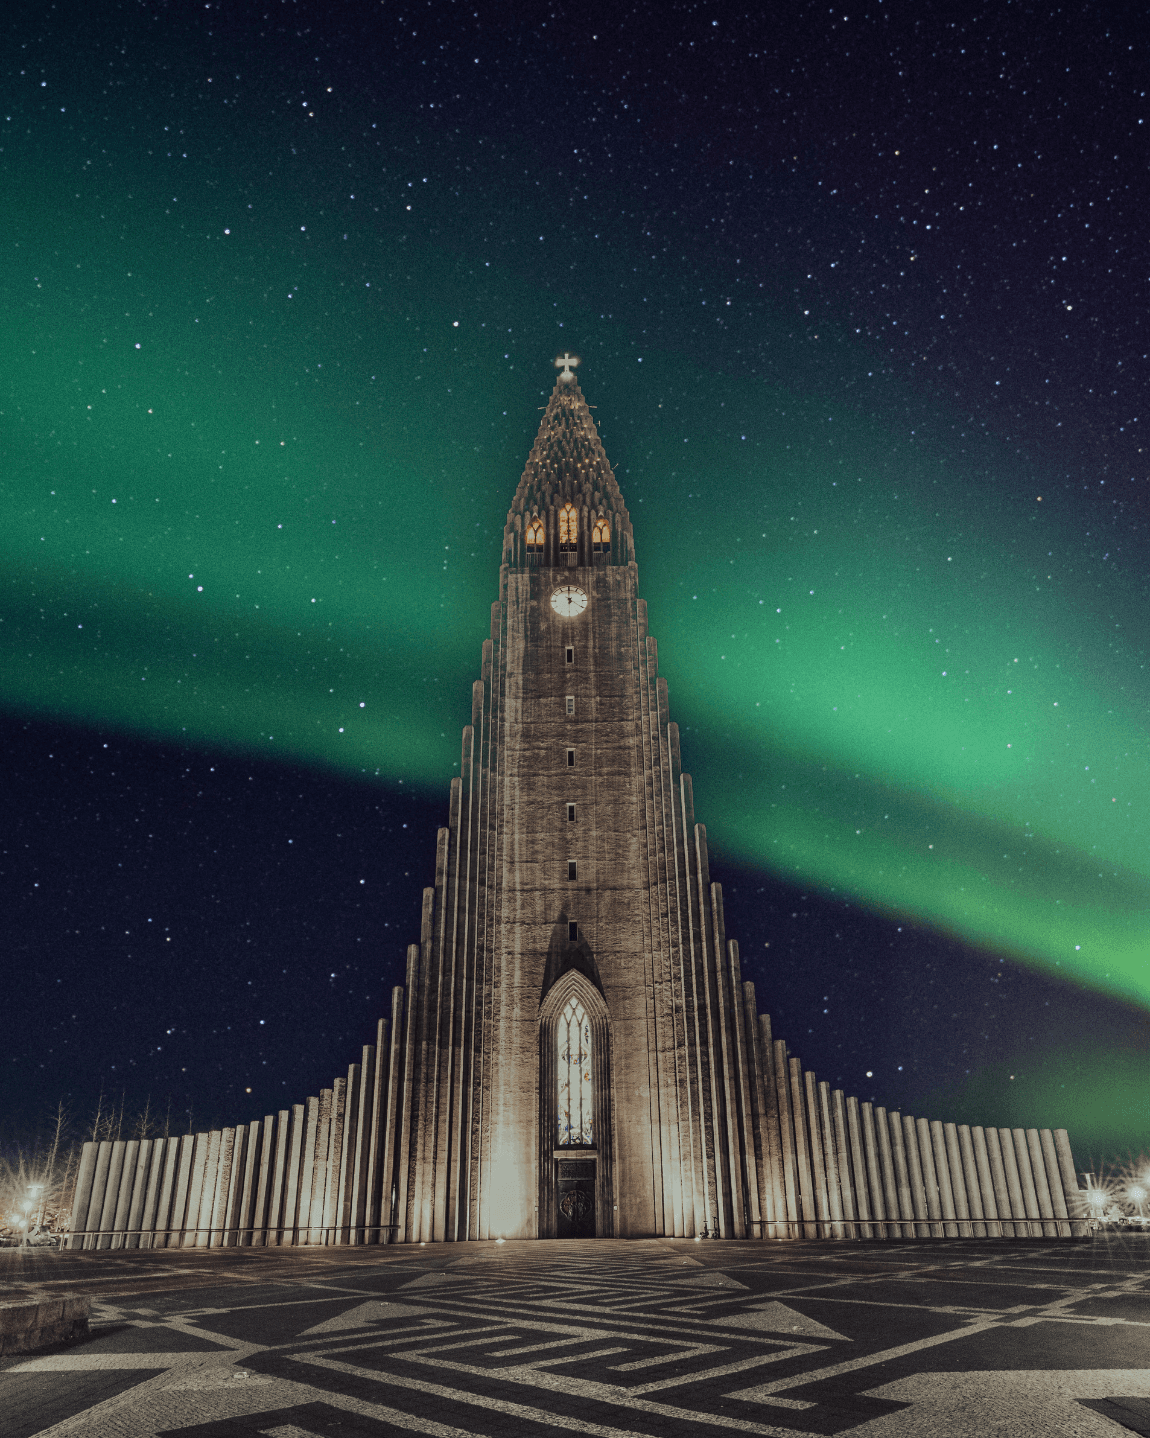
566, 364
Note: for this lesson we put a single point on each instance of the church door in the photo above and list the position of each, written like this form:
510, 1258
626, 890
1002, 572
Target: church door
576, 1198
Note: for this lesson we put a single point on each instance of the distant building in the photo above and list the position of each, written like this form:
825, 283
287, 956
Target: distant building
575, 1052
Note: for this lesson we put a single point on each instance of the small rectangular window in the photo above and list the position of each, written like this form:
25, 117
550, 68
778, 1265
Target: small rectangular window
570, 758
573, 932
571, 704
570, 654
570, 813
572, 869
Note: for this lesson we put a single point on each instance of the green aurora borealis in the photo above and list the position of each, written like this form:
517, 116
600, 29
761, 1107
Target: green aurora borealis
255, 476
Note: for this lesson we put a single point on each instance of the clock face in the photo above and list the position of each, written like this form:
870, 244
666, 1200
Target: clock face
569, 600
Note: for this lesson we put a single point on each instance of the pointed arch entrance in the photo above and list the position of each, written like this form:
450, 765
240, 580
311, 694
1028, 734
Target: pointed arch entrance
575, 1170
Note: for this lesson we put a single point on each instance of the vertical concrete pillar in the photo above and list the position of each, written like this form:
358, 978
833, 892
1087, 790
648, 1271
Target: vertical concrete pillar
403, 1176
1017, 1208
757, 1138
843, 1163
1054, 1182
139, 1189
973, 1185
930, 1181
859, 1166
746, 1171
888, 1188
111, 1193
802, 1152
946, 1190
956, 1168
347, 1155
245, 1220
335, 1152
996, 1200
904, 1197
278, 1177
230, 1237
190, 1235
169, 1189
222, 1187
830, 1161
1071, 1192
148, 1222
375, 1134
290, 1223
315, 1234
1041, 1186
1026, 1183
124, 1195
363, 1128
307, 1170
818, 1161
387, 1214
773, 1199
265, 1175
82, 1194
790, 1168
99, 1189
914, 1172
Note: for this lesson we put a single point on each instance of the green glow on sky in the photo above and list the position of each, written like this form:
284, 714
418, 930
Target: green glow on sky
272, 524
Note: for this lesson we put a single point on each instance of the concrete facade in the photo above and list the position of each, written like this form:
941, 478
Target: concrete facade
572, 894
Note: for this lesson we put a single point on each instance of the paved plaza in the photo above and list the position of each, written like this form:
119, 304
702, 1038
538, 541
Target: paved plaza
595, 1337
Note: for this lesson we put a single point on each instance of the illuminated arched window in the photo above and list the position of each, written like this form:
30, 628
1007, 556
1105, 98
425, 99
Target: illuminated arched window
535, 537
573, 1077
568, 527
600, 536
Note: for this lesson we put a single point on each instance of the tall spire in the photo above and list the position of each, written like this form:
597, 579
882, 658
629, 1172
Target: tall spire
567, 465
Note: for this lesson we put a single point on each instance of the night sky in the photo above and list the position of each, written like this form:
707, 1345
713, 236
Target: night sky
861, 299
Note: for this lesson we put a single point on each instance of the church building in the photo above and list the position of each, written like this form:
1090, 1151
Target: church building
575, 1052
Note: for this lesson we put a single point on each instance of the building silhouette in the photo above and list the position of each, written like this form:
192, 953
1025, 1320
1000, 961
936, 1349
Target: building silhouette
575, 1051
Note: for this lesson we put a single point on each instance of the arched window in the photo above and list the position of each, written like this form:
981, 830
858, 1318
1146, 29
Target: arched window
568, 527
600, 536
535, 537
573, 1077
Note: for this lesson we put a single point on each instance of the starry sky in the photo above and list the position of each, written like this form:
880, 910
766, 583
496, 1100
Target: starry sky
860, 294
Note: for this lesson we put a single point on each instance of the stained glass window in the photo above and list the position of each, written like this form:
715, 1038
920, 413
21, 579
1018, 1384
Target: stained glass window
568, 526
535, 534
573, 1051
601, 536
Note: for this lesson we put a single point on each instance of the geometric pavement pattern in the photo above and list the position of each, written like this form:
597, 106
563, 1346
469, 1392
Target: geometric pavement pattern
607, 1338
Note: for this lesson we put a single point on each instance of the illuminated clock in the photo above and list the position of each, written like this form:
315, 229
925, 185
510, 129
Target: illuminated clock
569, 600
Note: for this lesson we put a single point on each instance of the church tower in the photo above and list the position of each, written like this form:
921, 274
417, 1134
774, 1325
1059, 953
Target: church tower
575, 1052
579, 1059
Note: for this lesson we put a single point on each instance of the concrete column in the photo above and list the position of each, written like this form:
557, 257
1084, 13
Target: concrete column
334, 1157
1041, 1186
223, 1186
973, 1185
1026, 1183
392, 1120
403, 1180
320, 1165
1054, 1182
790, 1165
859, 1165
802, 1152
943, 1178
195, 1217
264, 1177
957, 1173
82, 1193
999, 1194
230, 1237
746, 1171
363, 1128
290, 1223
152, 1197
99, 1189
375, 1135
245, 1213
930, 1183
275, 1217
843, 1163
766, 1228
1071, 1192
139, 1189
124, 1196
168, 1190
831, 1161
347, 1155
307, 1170
914, 1172
111, 1193
904, 1197
1017, 1207
818, 1163
876, 1167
